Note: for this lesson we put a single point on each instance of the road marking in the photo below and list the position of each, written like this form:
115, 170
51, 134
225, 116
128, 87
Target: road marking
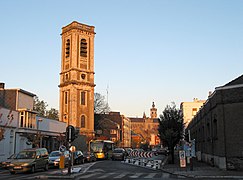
136, 175
121, 175
89, 175
106, 175
166, 175
151, 175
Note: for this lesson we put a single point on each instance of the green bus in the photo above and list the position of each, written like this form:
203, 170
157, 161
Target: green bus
101, 148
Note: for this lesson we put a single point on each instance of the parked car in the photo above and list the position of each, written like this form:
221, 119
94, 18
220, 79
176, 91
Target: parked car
30, 160
54, 158
78, 157
5, 164
118, 154
89, 157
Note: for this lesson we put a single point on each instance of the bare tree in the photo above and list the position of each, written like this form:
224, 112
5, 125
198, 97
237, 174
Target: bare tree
100, 106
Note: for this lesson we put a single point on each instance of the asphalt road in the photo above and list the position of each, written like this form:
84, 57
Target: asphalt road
117, 170
106, 169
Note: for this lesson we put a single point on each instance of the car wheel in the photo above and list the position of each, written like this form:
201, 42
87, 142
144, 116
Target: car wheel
32, 169
46, 167
12, 172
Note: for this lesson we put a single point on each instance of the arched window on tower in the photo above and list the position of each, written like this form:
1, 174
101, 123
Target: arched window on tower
82, 121
83, 48
67, 48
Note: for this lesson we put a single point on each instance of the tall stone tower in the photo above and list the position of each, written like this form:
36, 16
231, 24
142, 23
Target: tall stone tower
77, 77
153, 112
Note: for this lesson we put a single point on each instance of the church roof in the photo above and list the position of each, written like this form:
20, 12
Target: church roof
137, 119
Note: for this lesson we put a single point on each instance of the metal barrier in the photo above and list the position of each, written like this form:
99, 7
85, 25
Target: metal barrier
143, 159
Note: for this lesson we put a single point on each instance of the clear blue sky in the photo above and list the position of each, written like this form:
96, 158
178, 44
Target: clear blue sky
145, 50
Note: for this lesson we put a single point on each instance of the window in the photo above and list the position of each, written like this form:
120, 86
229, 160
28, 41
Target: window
208, 130
112, 131
82, 121
194, 111
67, 48
66, 76
66, 98
82, 98
215, 129
83, 48
21, 119
113, 139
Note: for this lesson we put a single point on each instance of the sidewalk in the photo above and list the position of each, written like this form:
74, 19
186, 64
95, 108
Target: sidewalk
201, 170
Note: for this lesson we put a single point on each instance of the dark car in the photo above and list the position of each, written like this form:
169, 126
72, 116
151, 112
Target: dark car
89, 157
30, 160
78, 157
118, 154
5, 164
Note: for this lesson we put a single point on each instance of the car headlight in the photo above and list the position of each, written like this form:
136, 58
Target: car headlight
11, 164
26, 164
57, 160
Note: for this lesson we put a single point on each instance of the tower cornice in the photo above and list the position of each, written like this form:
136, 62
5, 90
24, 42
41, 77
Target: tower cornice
77, 69
74, 82
79, 26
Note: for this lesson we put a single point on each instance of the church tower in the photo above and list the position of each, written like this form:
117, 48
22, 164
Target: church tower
153, 112
77, 77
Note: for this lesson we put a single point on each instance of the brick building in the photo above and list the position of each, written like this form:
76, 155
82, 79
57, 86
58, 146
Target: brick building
115, 127
217, 127
147, 127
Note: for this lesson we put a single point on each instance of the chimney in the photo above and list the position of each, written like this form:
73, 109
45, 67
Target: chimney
209, 93
2, 85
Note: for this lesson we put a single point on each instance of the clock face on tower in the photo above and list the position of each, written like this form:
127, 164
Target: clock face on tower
83, 76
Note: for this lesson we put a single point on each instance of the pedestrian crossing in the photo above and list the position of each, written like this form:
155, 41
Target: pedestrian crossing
123, 175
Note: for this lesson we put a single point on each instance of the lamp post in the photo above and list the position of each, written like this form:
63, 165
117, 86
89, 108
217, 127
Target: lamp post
38, 131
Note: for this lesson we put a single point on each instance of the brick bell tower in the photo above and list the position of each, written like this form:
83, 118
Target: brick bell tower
77, 77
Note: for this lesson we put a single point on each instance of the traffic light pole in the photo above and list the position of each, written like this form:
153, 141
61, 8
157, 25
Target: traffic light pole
69, 145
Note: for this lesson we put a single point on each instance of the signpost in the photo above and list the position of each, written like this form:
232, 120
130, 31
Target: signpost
182, 156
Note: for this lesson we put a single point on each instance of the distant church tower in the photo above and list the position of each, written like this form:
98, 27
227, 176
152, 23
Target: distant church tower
77, 77
153, 112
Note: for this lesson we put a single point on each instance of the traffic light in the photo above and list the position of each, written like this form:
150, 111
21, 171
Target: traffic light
70, 133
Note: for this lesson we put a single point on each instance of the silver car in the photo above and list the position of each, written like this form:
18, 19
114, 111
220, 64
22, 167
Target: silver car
54, 158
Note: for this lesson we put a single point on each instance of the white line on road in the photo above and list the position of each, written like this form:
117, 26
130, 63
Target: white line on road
151, 175
89, 175
121, 175
136, 175
106, 175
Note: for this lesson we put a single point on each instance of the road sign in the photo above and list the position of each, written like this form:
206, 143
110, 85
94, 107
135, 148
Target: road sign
62, 148
182, 156
72, 148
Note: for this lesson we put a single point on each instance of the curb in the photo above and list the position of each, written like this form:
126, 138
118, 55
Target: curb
203, 176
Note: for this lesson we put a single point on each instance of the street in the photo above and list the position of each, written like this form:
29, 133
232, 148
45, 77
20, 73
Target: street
106, 169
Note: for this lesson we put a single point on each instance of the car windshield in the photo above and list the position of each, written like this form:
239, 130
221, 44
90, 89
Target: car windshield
96, 147
55, 153
26, 155
118, 151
